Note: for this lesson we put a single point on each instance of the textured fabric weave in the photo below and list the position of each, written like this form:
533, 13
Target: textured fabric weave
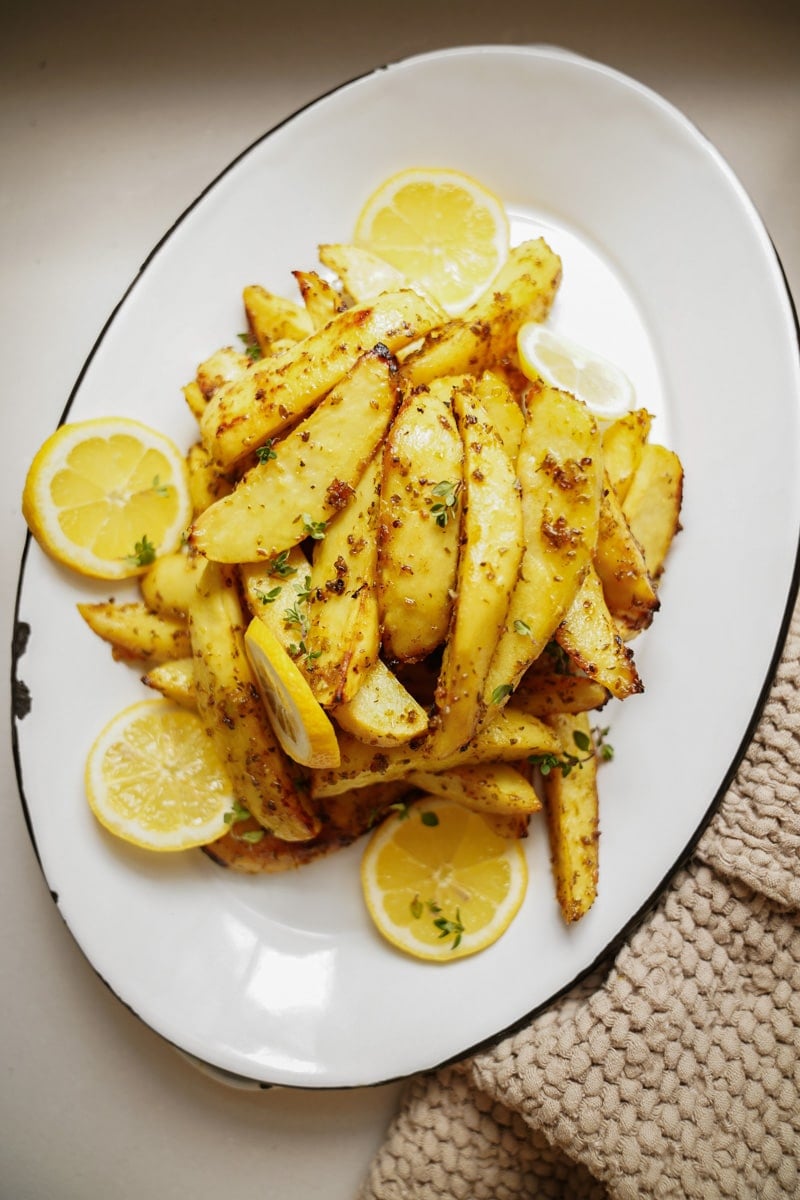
674, 1074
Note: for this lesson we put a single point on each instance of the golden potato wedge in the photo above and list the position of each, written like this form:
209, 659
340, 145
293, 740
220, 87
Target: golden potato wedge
560, 474
276, 589
490, 787
488, 564
273, 319
512, 736
275, 393
168, 586
523, 290
572, 820
229, 702
382, 712
134, 632
505, 413
195, 399
591, 639
320, 298
343, 634
620, 563
250, 849
623, 440
543, 693
207, 482
653, 504
223, 367
508, 825
174, 680
418, 550
311, 474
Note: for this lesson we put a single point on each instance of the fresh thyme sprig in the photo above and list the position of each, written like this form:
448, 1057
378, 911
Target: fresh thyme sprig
444, 507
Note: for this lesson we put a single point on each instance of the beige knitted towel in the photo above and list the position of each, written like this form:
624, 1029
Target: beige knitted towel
676, 1073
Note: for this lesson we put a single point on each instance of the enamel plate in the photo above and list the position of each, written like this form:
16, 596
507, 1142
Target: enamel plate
669, 272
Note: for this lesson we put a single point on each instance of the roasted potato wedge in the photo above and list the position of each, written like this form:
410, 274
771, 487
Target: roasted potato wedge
221, 368
523, 290
207, 482
343, 634
320, 298
512, 736
491, 552
229, 702
273, 319
135, 633
174, 680
560, 475
382, 712
542, 694
620, 563
168, 586
311, 474
653, 504
590, 637
276, 393
571, 805
418, 551
490, 787
623, 440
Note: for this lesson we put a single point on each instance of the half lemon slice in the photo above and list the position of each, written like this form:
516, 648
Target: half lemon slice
154, 779
107, 496
564, 364
301, 725
442, 229
439, 883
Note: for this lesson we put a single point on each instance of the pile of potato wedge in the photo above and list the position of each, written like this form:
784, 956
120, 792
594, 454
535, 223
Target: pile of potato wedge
456, 558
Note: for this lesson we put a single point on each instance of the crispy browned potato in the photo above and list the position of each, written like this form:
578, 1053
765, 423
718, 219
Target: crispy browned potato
174, 680
382, 712
273, 319
228, 700
560, 475
136, 633
418, 552
512, 736
343, 634
491, 551
207, 482
543, 693
275, 393
249, 849
620, 563
311, 474
322, 301
591, 639
223, 367
653, 504
523, 290
168, 586
488, 788
623, 440
571, 805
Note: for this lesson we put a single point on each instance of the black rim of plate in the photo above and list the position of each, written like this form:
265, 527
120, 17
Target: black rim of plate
21, 700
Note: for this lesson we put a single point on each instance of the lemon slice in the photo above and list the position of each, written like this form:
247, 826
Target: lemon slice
442, 229
601, 385
106, 496
153, 778
301, 725
439, 883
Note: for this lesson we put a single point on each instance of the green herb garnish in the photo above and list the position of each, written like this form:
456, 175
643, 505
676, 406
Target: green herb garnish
444, 507
144, 553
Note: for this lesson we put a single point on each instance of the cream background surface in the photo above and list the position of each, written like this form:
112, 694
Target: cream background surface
112, 119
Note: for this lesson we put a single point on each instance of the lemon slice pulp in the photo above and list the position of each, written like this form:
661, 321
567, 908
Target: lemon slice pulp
562, 363
154, 779
441, 228
301, 725
439, 883
106, 496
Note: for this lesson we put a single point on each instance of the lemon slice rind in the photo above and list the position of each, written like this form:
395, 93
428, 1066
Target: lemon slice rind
565, 364
301, 725
43, 513
128, 806
416, 220
402, 935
